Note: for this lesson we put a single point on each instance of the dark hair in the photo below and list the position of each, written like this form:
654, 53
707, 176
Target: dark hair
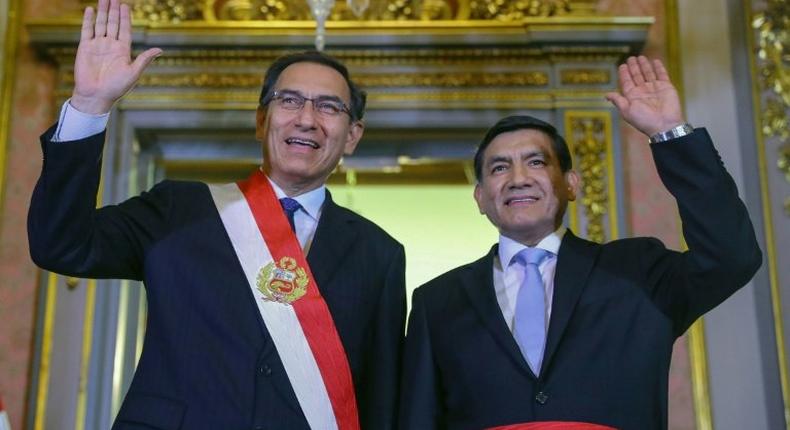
519, 122
358, 97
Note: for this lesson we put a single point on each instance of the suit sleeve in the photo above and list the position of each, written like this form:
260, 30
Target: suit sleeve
68, 235
723, 253
383, 364
420, 404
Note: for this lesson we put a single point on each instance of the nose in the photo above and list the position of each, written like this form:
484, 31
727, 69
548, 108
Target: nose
520, 176
306, 116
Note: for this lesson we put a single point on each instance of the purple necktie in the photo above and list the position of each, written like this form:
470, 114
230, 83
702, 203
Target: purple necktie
529, 325
290, 206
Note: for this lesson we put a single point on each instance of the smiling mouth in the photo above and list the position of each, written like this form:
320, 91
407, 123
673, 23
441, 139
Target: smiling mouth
302, 142
518, 200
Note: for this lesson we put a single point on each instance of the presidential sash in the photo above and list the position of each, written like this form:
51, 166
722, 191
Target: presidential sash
289, 302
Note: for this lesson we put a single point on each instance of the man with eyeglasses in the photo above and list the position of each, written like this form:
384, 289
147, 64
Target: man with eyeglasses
269, 306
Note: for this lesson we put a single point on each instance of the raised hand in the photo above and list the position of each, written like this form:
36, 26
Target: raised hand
104, 70
647, 99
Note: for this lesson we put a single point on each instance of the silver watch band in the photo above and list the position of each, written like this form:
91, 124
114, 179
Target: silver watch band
674, 133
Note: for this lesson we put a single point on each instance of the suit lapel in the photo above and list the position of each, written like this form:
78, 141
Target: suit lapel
479, 286
333, 238
576, 260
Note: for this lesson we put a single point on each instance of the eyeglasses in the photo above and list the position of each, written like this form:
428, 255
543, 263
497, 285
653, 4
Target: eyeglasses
325, 105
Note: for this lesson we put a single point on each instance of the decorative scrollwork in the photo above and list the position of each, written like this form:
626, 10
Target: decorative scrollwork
170, 11
589, 145
507, 10
175, 11
585, 77
773, 35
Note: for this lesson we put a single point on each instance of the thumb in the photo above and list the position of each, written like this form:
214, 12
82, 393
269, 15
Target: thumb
620, 102
144, 59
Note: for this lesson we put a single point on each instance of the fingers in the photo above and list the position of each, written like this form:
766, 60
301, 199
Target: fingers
87, 24
125, 26
112, 19
661, 72
638, 70
626, 83
635, 71
101, 18
646, 68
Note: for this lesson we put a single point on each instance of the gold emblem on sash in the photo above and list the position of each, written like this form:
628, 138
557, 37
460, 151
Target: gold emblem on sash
283, 281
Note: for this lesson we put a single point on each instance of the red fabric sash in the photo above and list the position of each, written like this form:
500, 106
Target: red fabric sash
310, 309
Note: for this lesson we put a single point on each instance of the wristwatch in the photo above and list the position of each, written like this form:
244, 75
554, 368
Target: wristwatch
674, 133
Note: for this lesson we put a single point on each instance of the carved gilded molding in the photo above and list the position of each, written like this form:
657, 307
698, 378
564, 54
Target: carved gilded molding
247, 80
589, 136
177, 11
773, 38
585, 77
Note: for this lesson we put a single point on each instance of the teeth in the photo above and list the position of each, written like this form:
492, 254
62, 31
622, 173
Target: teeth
520, 200
303, 142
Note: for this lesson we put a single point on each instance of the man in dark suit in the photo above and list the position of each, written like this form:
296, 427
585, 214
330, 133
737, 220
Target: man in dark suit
550, 327
242, 331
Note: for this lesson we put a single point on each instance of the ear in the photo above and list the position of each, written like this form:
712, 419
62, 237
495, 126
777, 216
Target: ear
260, 124
478, 196
572, 181
354, 135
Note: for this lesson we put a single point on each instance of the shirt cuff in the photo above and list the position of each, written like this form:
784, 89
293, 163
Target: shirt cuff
76, 125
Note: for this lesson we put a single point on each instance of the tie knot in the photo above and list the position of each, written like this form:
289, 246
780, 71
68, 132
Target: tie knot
290, 206
529, 256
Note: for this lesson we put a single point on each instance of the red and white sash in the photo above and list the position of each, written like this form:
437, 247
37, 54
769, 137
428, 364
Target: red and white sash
289, 301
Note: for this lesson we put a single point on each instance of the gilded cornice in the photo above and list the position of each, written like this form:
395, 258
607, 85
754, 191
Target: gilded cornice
534, 62
773, 36
405, 10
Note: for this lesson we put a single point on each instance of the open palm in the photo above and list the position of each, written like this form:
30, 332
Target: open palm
647, 99
103, 69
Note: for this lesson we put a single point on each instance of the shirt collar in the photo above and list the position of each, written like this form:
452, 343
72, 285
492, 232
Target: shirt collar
508, 247
311, 201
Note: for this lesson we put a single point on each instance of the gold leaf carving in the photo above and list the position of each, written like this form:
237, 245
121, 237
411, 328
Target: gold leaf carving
507, 10
444, 80
773, 35
585, 77
175, 11
588, 140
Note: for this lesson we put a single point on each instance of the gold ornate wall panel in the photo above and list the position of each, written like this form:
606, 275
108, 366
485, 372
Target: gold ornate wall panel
769, 43
772, 25
590, 139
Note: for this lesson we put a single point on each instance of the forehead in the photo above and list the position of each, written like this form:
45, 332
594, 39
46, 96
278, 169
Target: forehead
518, 142
313, 79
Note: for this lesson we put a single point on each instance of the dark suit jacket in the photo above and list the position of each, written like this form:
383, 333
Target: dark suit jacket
208, 361
617, 309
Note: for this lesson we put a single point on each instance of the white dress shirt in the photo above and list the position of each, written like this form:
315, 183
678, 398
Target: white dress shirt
508, 277
306, 218
76, 125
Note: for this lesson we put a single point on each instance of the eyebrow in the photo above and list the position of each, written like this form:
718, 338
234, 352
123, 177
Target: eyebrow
508, 159
318, 97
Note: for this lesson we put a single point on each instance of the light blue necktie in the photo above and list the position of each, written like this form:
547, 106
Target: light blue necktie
529, 325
